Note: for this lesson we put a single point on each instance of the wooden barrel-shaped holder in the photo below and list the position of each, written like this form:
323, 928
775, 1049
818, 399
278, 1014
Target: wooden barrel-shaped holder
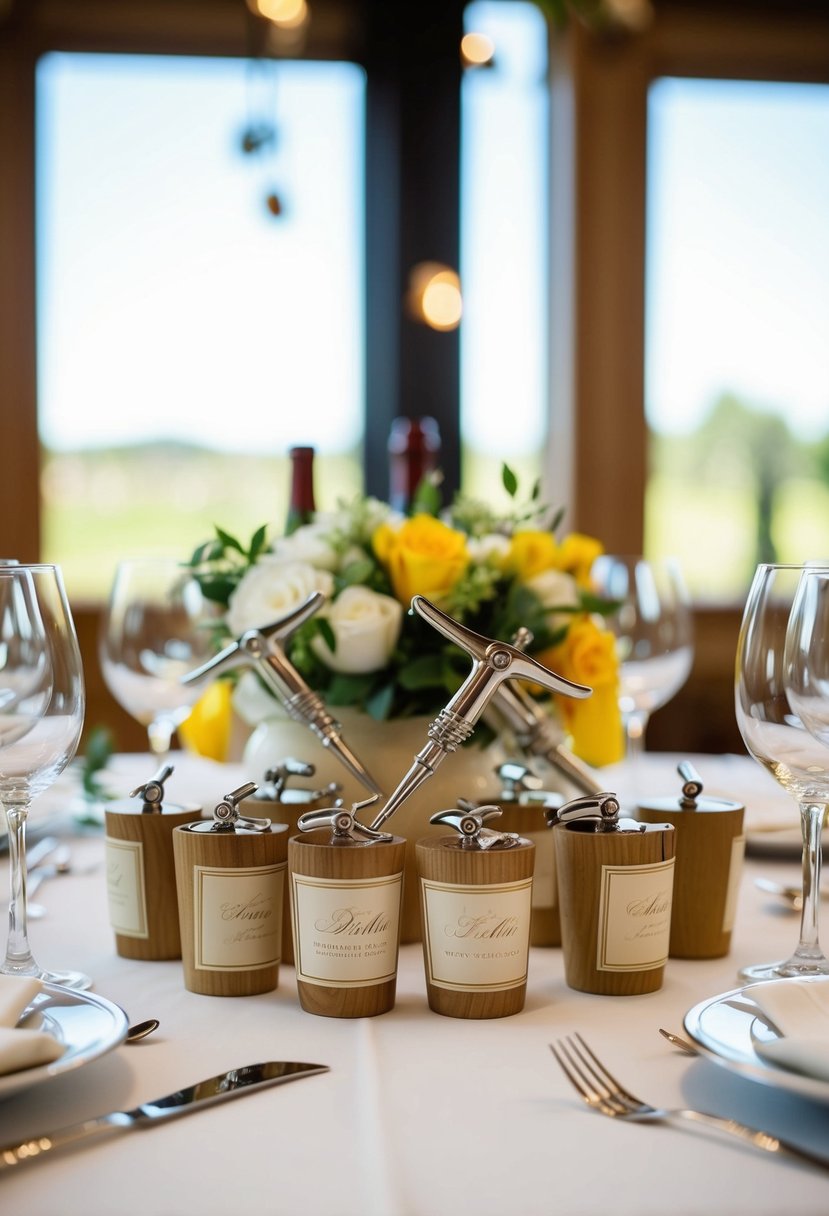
230, 891
615, 890
345, 911
476, 909
287, 810
141, 878
709, 855
527, 819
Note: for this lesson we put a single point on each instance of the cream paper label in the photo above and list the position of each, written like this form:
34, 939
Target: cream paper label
237, 917
735, 869
476, 937
346, 930
125, 887
635, 916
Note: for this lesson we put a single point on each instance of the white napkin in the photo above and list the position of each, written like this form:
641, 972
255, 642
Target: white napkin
799, 1008
22, 1048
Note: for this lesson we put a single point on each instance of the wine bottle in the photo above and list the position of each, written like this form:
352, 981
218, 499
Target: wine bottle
301, 505
414, 450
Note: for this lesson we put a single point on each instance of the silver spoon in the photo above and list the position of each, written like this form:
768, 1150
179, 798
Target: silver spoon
793, 895
141, 1029
681, 1043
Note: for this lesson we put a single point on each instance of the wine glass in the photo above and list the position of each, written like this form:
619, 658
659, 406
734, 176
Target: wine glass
157, 627
774, 682
41, 716
654, 635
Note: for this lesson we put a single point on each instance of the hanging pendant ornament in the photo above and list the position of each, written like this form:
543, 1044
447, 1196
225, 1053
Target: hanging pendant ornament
263, 650
493, 662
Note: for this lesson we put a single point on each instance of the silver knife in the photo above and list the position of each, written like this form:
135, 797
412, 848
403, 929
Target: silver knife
231, 1084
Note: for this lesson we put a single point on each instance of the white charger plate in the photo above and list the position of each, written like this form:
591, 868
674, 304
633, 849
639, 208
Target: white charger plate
725, 1029
87, 1025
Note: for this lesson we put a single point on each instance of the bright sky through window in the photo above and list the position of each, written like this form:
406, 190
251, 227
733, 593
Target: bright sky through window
171, 304
738, 254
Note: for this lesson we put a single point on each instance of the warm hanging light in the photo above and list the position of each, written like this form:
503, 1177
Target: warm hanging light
477, 51
434, 296
287, 14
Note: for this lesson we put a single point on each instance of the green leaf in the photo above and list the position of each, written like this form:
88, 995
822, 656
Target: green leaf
348, 690
217, 588
229, 542
323, 628
423, 672
210, 551
427, 498
357, 573
509, 479
257, 543
379, 704
557, 518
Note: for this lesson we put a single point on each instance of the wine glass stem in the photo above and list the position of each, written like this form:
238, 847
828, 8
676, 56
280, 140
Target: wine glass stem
811, 820
19, 960
160, 735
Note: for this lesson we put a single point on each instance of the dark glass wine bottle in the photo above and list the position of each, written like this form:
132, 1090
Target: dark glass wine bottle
414, 451
301, 506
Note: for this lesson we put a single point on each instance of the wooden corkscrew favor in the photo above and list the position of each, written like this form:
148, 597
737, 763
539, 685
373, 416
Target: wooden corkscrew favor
141, 877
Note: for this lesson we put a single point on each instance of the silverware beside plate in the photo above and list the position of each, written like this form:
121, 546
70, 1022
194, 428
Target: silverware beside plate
231, 1084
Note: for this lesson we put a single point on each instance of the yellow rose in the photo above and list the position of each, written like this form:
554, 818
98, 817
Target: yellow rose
576, 554
531, 552
423, 557
207, 730
588, 656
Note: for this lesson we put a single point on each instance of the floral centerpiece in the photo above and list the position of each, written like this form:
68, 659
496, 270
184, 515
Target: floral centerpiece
493, 572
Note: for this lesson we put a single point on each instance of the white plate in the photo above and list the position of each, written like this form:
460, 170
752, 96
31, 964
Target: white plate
726, 1027
87, 1025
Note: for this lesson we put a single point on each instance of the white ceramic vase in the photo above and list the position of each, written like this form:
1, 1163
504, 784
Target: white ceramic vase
387, 749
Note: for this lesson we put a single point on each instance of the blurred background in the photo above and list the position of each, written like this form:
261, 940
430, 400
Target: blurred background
588, 237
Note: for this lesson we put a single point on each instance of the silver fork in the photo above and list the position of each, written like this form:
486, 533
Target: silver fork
602, 1092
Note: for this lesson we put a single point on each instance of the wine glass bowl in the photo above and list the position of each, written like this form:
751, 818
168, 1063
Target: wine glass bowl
778, 653
653, 628
157, 627
41, 717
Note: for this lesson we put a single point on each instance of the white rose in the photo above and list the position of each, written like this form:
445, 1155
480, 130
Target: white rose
555, 590
270, 590
366, 627
490, 550
310, 543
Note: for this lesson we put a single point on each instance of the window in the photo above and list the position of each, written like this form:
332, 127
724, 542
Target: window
504, 217
187, 336
737, 357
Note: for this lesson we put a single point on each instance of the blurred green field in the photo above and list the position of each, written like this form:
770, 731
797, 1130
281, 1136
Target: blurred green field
101, 507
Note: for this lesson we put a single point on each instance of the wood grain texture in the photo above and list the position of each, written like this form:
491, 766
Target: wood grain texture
704, 850
441, 860
312, 855
287, 812
155, 833
228, 851
580, 857
529, 821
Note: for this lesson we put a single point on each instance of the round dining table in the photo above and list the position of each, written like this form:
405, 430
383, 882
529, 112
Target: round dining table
418, 1114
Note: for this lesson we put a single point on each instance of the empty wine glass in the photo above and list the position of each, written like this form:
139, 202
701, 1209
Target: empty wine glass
781, 651
157, 627
653, 627
41, 716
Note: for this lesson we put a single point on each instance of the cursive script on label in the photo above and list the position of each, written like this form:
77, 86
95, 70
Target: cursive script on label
353, 922
258, 908
485, 926
656, 904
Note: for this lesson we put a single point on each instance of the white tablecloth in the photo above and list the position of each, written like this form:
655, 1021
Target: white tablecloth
420, 1115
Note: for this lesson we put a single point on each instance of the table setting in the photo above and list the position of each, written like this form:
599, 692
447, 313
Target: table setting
229, 930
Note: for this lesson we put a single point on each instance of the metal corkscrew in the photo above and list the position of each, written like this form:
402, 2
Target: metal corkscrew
152, 791
263, 650
493, 662
536, 735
